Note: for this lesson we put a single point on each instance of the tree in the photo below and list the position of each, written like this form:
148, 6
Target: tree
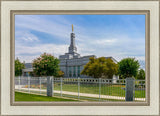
60, 73
18, 67
141, 74
100, 68
46, 65
128, 67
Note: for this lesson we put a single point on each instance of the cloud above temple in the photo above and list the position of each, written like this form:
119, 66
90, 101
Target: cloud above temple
119, 36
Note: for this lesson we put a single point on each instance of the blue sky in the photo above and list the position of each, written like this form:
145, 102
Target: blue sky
118, 36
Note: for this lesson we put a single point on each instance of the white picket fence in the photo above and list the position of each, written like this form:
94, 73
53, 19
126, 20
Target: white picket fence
82, 88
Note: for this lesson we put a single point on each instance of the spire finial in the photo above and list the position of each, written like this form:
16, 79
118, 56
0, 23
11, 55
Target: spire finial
72, 28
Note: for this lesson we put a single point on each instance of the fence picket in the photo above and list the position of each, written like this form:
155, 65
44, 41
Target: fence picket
78, 88
82, 88
40, 84
28, 84
19, 82
100, 89
61, 86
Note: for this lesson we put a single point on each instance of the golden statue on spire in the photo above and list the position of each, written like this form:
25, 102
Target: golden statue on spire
72, 28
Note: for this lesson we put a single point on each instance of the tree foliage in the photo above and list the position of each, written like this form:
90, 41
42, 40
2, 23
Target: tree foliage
141, 74
18, 67
100, 68
60, 74
128, 67
46, 65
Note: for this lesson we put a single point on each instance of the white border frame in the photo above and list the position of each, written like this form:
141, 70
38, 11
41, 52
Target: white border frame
152, 6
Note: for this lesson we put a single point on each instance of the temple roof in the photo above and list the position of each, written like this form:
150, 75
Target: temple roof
28, 65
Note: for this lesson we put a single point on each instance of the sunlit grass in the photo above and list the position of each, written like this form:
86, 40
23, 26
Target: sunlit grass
32, 97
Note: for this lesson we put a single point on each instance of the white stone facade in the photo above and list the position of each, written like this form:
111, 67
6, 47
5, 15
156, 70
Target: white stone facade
72, 63
73, 67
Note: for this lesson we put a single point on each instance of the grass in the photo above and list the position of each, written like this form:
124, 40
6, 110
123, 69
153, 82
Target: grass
22, 97
31, 97
113, 90
89, 98
140, 94
106, 89
69, 97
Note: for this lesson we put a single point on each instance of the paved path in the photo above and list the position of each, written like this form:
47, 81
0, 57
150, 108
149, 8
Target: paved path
83, 94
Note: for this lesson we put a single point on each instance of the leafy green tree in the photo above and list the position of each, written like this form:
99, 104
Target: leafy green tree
46, 65
128, 67
60, 74
18, 67
141, 74
100, 68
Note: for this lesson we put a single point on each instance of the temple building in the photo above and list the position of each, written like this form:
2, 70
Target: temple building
71, 63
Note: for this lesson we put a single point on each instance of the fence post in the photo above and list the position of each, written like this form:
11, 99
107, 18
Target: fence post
78, 87
19, 82
129, 89
50, 86
61, 86
40, 84
100, 88
53, 85
29, 84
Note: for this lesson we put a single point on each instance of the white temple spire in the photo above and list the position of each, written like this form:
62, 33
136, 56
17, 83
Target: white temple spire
72, 47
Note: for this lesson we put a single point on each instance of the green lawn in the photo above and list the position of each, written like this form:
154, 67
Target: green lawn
31, 97
84, 98
113, 90
106, 89
19, 96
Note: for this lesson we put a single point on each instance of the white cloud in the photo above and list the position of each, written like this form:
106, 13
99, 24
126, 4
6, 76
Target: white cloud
25, 36
27, 59
105, 41
57, 27
27, 53
121, 47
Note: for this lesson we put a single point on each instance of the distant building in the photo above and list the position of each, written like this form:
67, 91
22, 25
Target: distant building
28, 71
71, 63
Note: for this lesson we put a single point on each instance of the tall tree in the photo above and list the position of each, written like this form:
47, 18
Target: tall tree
46, 65
100, 68
128, 67
18, 67
141, 74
